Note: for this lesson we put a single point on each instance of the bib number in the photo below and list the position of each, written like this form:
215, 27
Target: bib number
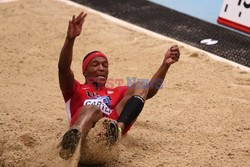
98, 102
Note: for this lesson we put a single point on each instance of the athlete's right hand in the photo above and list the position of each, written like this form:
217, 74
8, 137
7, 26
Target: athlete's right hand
172, 55
75, 25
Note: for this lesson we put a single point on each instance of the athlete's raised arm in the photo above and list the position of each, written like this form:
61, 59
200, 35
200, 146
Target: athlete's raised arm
66, 76
171, 57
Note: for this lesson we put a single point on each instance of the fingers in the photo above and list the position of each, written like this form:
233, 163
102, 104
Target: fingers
175, 52
174, 57
81, 23
79, 19
174, 48
83, 17
80, 15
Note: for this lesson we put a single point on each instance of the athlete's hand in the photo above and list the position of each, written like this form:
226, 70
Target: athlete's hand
172, 55
75, 25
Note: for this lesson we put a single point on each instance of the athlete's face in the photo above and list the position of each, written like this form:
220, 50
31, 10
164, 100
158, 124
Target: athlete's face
97, 70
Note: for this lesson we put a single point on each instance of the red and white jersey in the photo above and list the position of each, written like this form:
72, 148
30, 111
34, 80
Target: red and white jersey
84, 94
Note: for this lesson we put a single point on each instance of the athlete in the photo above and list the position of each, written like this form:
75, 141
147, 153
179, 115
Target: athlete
87, 103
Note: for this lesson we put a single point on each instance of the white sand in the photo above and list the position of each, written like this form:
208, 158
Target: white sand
199, 118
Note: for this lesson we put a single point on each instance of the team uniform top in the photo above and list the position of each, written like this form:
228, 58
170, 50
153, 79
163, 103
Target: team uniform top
85, 94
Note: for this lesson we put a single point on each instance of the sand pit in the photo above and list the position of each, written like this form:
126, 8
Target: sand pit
199, 118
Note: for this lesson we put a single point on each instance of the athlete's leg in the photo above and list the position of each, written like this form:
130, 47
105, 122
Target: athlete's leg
87, 118
131, 105
81, 125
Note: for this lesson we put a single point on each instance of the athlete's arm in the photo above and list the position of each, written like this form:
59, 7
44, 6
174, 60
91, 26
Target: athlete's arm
171, 57
66, 75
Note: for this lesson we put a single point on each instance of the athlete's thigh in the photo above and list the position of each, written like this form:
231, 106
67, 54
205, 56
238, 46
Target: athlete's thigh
92, 113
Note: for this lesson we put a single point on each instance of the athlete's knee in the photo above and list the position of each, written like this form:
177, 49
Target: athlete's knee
142, 92
140, 89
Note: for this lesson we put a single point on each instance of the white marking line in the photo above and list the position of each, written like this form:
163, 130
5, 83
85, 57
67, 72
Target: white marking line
155, 35
5, 1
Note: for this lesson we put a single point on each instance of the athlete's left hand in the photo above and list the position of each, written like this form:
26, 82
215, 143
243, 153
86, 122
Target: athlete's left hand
172, 55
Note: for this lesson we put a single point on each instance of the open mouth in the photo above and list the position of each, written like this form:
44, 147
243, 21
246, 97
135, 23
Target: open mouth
101, 77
